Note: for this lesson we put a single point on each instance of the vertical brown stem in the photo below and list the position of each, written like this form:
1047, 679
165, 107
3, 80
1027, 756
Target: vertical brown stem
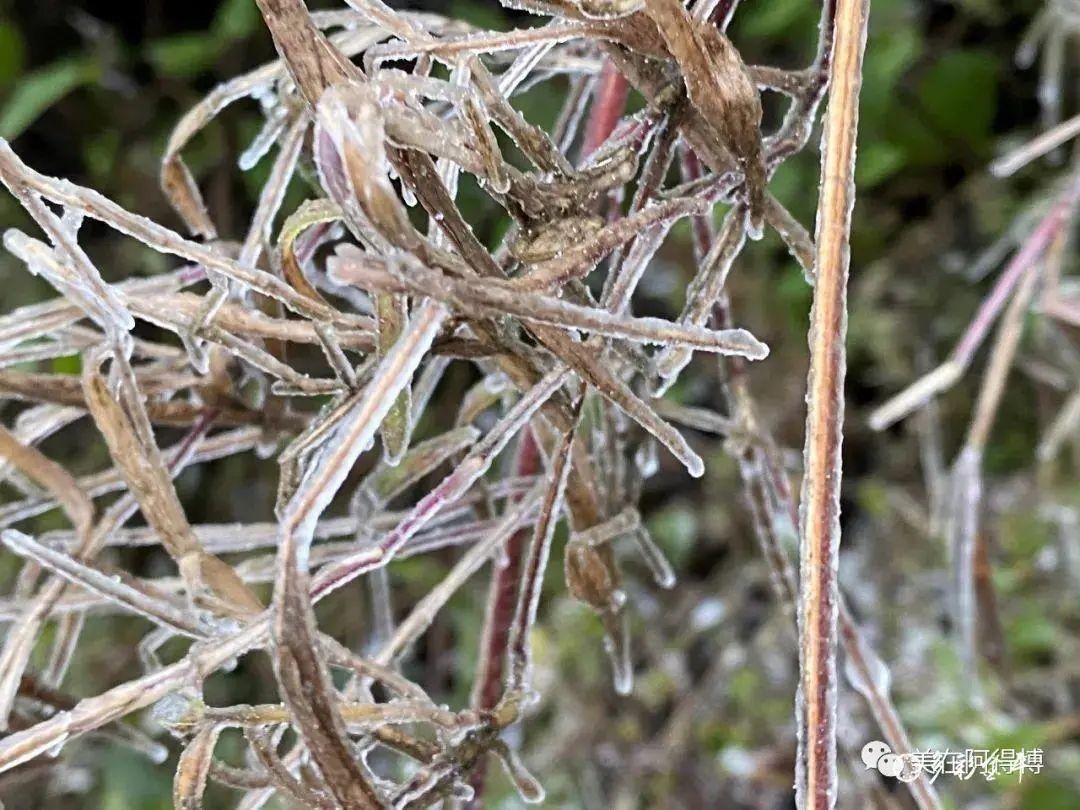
312, 61
820, 525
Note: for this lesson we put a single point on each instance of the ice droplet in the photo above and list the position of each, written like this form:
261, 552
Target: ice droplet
57, 748
462, 791
527, 786
647, 459
158, 753
655, 559
618, 650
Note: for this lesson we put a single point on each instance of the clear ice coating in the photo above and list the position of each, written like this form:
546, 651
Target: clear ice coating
463, 792
529, 789
617, 647
655, 558
963, 527
251, 350
273, 126
177, 710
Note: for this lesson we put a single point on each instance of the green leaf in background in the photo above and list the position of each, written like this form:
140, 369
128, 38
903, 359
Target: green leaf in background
878, 161
873, 497
1025, 735
775, 18
1043, 794
101, 152
12, 53
959, 93
1025, 534
893, 53
236, 19
893, 48
72, 364
39, 90
990, 11
129, 784
675, 529
793, 297
187, 55
184, 55
482, 15
1031, 633
949, 112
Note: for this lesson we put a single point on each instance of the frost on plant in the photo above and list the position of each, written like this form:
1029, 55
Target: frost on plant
440, 400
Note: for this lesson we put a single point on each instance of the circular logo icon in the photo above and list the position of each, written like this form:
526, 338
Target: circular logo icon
872, 752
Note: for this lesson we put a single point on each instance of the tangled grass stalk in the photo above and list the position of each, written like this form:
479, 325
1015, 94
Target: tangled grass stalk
318, 337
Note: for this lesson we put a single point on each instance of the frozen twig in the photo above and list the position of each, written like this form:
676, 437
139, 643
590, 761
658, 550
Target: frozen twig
946, 374
816, 785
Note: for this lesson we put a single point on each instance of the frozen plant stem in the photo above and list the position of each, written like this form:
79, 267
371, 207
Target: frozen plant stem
505, 579
945, 375
967, 475
391, 136
816, 785
608, 105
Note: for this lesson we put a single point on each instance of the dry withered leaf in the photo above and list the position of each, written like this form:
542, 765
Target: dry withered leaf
588, 576
720, 87
44, 471
193, 769
144, 470
183, 194
540, 345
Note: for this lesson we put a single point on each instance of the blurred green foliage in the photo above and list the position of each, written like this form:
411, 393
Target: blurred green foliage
189, 54
35, 92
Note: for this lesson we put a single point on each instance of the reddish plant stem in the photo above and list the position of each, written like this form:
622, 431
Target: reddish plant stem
723, 12
1030, 252
608, 105
502, 600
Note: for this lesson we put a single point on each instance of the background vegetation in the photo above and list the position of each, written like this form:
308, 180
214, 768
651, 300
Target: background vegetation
90, 91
